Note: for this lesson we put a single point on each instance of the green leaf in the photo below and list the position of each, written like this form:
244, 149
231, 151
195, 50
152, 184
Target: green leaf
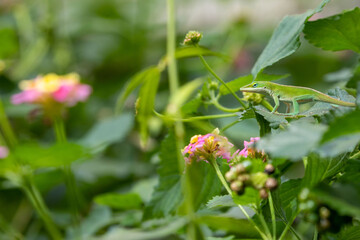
108, 131
247, 114
190, 51
350, 233
344, 198
138, 79
57, 155
205, 183
119, 201
335, 33
319, 169
239, 82
288, 194
351, 172
191, 106
274, 119
285, 39
250, 196
243, 228
221, 201
294, 143
146, 102
167, 195
138, 234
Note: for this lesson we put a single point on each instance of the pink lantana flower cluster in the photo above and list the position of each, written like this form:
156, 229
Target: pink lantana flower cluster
4, 152
249, 150
52, 89
203, 147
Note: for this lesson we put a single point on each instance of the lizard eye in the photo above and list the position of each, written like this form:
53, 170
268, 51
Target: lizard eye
255, 85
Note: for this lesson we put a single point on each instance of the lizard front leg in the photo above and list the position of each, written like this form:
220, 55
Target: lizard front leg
277, 103
296, 104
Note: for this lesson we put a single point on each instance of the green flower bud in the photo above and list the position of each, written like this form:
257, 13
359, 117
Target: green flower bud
259, 179
237, 186
271, 183
192, 38
324, 212
254, 98
263, 193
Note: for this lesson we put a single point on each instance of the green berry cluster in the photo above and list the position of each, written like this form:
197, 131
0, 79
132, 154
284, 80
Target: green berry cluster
254, 98
324, 217
240, 177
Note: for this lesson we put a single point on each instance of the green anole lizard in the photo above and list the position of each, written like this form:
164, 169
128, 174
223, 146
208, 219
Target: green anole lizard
291, 94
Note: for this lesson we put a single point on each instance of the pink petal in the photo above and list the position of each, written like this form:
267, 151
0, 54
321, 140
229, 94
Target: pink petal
4, 152
27, 96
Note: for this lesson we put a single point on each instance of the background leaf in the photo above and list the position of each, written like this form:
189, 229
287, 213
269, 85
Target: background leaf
119, 201
285, 39
335, 33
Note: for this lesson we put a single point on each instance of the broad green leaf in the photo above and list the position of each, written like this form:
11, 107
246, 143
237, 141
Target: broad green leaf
8, 43
319, 169
335, 33
191, 106
239, 82
138, 79
297, 141
342, 126
108, 131
250, 196
57, 155
351, 172
221, 201
288, 195
205, 183
247, 114
274, 119
350, 233
344, 198
139, 234
146, 100
285, 39
119, 201
167, 195
242, 227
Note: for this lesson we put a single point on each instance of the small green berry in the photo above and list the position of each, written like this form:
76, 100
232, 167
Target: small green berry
230, 176
237, 186
324, 212
258, 179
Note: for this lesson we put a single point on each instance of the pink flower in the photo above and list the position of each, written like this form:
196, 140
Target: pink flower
50, 89
4, 152
202, 147
248, 150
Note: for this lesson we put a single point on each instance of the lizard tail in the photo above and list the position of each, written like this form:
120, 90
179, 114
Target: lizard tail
328, 99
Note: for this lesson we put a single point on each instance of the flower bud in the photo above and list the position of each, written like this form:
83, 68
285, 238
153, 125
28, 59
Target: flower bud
263, 193
324, 212
230, 176
254, 98
258, 179
271, 183
237, 186
192, 38
239, 169
269, 169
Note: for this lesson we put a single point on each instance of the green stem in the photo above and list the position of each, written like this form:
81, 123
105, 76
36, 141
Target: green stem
263, 222
229, 125
220, 80
224, 183
272, 211
288, 225
225, 109
192, 232
74, 195
266, 104
6, 127
315, 234
198, 118
38, 203
356, 155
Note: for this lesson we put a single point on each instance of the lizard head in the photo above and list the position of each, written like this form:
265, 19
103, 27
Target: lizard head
256, 87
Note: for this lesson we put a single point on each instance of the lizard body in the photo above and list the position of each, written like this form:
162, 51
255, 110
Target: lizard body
291, 94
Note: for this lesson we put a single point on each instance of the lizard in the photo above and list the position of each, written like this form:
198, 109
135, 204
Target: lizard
291, 94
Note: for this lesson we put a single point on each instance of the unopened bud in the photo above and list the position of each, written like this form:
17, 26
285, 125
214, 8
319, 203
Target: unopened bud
240, 169
254, 98
271, 183
263, 193
236, 186
258, 179
324, 212
230, 176
192, 38
269, 169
